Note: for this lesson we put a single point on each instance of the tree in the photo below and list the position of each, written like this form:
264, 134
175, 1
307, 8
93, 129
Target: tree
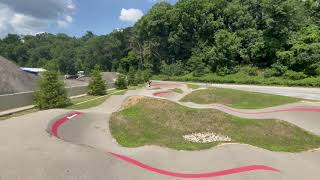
139, 77
224, 52
304, 54
121, 82
132, 77
170, 39
51, 93
97, 86
146, 74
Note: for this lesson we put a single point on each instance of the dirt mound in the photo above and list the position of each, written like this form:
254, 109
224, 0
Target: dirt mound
13, 79
131, 101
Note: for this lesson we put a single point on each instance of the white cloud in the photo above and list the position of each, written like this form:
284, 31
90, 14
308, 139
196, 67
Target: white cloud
130, 15
63, 23
32, 16
69, 19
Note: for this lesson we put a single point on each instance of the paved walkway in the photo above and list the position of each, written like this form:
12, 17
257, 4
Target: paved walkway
299, 92
30, 153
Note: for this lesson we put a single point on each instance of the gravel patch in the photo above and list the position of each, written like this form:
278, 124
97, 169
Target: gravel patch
206, 138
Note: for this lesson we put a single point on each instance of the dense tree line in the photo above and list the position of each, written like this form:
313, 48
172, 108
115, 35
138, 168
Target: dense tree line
192, 36
69, 53
220, 36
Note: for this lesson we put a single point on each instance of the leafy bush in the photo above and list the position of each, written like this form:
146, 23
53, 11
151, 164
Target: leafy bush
268, 73
200, 69
241, 78
121, 82
249, 70
313, 70
174, 69
52, 93
146, 74
294, 75
279, 69
223, 71
97, 86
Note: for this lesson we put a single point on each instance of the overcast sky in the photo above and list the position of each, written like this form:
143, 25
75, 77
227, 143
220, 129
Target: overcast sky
73, 17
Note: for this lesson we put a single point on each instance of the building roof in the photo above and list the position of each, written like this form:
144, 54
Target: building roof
33, 70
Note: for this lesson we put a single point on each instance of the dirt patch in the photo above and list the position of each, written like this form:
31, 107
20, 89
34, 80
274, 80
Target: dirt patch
131, 101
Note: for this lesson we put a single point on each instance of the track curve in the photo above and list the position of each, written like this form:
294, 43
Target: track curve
56, 124
88, 119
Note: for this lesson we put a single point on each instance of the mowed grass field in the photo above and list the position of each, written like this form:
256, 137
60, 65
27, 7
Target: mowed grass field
87, 102
147, 121
237, 99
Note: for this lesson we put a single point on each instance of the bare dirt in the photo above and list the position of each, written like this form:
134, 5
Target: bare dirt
13, 79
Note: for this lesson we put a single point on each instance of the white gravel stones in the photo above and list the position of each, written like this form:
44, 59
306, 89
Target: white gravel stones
206, 138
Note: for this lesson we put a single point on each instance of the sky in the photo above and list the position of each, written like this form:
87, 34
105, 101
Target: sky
73, 17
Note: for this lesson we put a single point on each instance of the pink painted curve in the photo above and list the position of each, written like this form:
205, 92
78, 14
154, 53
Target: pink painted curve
163, 93
57, 124
273, 111
203, 175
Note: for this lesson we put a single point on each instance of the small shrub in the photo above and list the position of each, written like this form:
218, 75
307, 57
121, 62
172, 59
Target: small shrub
294, 75
200, 70
249, 70
268, 73
121, 82
97, 86
175, 69
279, 69
313, 70
223, 71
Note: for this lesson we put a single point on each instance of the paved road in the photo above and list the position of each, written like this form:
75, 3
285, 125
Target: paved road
300, 92
28, 152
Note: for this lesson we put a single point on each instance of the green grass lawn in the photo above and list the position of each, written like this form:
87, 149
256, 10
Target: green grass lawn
193, 86
87, 102
17, 114
82, 99
160, 122
177, 90
237, 98
139, 86
119, 93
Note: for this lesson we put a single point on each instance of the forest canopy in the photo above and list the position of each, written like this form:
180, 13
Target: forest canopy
192, 36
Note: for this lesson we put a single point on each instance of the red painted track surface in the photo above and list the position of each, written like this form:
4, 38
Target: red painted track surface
163, 93
58, 123
203, 175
